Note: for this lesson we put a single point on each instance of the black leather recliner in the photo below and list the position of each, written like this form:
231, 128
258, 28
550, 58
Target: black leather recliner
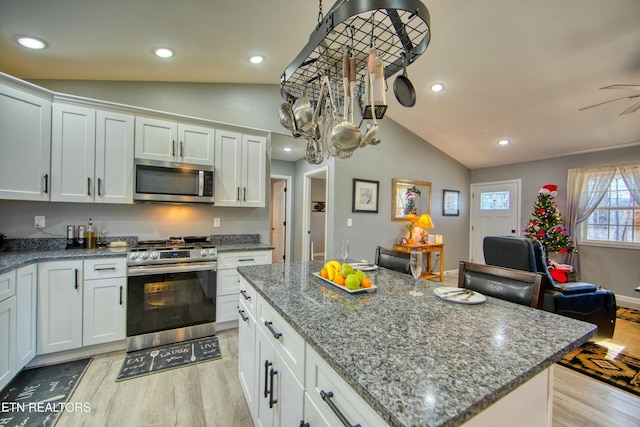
579, 300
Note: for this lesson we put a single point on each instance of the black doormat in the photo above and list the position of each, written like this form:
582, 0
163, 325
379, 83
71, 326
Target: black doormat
621, 371
38, 396
630, 314
156, 359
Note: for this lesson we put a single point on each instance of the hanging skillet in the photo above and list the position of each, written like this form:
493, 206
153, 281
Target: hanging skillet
403, 88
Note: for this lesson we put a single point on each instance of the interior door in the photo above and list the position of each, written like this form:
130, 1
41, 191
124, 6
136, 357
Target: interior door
495, 210
278, 220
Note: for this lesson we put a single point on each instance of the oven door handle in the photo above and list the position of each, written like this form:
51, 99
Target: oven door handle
164, 269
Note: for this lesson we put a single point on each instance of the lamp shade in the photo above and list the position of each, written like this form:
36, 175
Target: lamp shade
425, 221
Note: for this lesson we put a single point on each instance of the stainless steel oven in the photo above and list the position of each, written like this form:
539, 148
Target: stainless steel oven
171, 295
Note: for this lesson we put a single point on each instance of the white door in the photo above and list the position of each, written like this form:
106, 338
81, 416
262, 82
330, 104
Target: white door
495, 211
278, 218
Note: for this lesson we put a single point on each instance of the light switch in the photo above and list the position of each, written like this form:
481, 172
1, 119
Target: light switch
216, 222
349, 222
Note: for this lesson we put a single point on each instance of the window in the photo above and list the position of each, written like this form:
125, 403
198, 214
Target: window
617, 217
494, 201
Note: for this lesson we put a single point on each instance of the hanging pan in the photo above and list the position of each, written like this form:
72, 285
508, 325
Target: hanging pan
403, 88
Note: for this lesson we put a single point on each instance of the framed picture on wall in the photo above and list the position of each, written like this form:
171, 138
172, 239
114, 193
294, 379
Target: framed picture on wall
450, 203
365, 196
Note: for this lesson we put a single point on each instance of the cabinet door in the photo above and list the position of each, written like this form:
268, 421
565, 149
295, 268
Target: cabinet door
254, 155
247, 358
104, 311
265, 358
26, 311
195, 144
228, 150
7, 340
156, 139
73, 145
226, 310
59, 306
114, 158
25, 132
228, 282
289, 393
7, 285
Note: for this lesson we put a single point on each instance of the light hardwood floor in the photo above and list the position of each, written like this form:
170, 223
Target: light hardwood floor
209, 394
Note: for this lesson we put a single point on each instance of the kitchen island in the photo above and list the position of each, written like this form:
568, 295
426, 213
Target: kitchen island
417, 360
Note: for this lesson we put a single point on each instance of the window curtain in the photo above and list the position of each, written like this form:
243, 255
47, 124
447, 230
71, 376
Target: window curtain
631, 176
585, 190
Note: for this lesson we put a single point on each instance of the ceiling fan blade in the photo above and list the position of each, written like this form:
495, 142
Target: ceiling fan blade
606, 102
632, 87
633, 108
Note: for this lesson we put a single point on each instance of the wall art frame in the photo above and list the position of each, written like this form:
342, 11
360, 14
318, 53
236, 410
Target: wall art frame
365, 196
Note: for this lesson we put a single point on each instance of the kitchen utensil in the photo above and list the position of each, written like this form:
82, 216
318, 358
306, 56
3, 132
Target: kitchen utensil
285, 114
403, 88
372, 130
153, 355
303, 114
346, 135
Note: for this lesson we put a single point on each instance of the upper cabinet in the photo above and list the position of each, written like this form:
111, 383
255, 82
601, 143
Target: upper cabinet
25, 141
240, 165
91, 155
174, 142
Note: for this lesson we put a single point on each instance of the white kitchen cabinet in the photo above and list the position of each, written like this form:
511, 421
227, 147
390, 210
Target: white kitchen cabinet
26, 312
280, 397
59, 306
91, 155
105, 301
240, 164
114, 158
7, 285
228, 283
25, 135
247, 357
170, 141
8, 328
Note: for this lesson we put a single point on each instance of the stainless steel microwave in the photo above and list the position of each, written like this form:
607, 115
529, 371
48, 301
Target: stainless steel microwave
158, 181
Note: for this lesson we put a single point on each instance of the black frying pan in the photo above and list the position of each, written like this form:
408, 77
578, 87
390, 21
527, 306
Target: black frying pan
403, 88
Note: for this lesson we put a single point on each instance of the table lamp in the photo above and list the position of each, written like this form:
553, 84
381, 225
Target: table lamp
425, 222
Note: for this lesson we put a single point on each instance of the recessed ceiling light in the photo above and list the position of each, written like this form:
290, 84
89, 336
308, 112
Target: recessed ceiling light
31, 42
256, 59
163, 52
287, 149
437, 87
503, 142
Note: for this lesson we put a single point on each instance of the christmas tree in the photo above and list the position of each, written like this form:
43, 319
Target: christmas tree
547, 225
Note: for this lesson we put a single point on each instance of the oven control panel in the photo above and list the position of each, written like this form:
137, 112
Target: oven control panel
167, 256
175, 255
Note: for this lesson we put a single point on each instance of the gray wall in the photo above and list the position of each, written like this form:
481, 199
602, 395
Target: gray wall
614, 268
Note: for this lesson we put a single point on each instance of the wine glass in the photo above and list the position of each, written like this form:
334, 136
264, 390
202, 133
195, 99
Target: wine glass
344, 250
415, 263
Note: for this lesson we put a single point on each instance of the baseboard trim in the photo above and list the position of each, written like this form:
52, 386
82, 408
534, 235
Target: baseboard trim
79, 353
628, 302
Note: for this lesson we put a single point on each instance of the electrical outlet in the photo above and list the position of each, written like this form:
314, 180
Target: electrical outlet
349, 222
39, 222
216, 222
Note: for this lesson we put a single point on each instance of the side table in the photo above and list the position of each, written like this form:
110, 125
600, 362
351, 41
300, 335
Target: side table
428, 248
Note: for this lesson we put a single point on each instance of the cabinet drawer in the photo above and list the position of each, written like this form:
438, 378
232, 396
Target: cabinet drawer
238, 259
103, 268
289, 343
227, 308
248, 296
228, 282
320, 377
7, 285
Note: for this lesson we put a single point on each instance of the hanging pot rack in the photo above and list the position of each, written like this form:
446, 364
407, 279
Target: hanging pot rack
394, 27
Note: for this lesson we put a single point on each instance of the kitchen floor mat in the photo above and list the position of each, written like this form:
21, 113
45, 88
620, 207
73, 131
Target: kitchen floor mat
630, 314
37, 396
156, 359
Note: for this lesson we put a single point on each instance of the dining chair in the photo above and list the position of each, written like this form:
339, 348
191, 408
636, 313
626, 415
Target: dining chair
392, 259
520, 287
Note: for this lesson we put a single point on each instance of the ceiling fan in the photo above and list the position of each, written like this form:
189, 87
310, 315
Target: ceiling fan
631, 109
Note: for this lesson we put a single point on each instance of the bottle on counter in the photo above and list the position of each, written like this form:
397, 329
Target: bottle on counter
90, 238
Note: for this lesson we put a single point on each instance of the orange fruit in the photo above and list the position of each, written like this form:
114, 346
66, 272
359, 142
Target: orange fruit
339, 280
366, 283
324, 273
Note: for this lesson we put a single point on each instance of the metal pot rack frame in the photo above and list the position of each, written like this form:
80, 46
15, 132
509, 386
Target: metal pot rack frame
395, 27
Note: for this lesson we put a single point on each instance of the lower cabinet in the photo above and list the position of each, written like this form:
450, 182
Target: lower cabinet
247, 356
26, 313
80, 303
7, 339
59, 306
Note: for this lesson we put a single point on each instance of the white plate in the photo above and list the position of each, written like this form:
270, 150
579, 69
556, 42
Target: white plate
456, 295
344, 288
364, 266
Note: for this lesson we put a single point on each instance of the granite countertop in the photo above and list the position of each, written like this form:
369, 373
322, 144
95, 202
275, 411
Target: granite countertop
16, 259
417, 360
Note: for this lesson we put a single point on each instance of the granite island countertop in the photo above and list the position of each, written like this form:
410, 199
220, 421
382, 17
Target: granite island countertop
417, 360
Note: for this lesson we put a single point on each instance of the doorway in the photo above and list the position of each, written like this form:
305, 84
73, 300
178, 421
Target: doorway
280, 224
495, 211
314, 237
